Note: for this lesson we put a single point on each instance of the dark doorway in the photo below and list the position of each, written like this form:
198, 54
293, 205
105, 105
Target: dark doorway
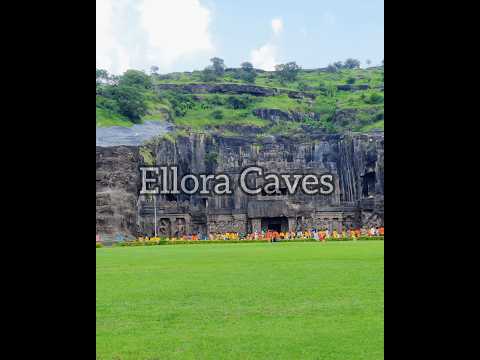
170, 197
368, 184
275, 224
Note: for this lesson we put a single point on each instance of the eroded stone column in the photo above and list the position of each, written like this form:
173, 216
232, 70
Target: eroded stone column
292, 224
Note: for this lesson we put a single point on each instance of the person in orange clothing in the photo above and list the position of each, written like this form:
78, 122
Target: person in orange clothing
381, 231
353, 235
268, 236
321, 235
275, 236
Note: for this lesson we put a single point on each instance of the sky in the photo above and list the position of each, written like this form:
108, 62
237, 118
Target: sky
182, 35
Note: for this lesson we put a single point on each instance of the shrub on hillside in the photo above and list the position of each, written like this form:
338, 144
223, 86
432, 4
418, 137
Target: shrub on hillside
351, 80
107, 104
208, 75
247, 73
136, 78
248, 77
331, 68
239, 102
180, 103
352, 64
216, 100
288, 72
217, 115
374, 98
302, 86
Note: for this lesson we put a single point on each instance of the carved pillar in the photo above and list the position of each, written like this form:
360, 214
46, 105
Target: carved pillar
164, 227
292, 224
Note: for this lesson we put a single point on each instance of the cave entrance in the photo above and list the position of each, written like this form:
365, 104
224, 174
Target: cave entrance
368, 184
171, 197
278, 224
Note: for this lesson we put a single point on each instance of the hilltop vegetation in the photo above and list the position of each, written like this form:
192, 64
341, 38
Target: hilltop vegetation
341, 97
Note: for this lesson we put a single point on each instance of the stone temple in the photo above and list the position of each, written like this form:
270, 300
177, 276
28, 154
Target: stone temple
355, 160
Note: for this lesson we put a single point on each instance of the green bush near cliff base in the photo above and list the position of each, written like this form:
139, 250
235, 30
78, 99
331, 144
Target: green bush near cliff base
147, 155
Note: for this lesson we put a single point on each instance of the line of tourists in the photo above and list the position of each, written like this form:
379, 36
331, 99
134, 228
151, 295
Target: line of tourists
272, 235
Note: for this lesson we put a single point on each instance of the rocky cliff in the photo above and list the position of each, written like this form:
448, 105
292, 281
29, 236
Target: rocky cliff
117, 184
357, 161
236, 89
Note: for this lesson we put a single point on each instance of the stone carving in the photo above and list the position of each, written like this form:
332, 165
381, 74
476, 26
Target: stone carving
164, 227
347, 157
371, 220
180, 227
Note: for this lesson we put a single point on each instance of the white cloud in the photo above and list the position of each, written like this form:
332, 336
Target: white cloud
277, 26
104, 36
177, 29
141, 33
265, 57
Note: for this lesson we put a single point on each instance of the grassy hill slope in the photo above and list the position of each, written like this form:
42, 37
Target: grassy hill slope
346, 100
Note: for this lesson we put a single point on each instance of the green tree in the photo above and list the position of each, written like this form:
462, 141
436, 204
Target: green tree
247, 73
218, 66
331, 68
247, 66
208, 75
339, 65
288, 72
352, 64
102, 76
130, 101
136, 78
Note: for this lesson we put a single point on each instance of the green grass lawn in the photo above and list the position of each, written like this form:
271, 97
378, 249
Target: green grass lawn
241, 301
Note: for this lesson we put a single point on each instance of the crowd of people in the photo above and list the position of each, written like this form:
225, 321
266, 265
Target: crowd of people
270, 235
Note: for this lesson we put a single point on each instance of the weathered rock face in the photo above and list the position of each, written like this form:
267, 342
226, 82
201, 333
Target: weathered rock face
237, 89
117, 184
354, 117
351, 87
276, 115
357, 163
